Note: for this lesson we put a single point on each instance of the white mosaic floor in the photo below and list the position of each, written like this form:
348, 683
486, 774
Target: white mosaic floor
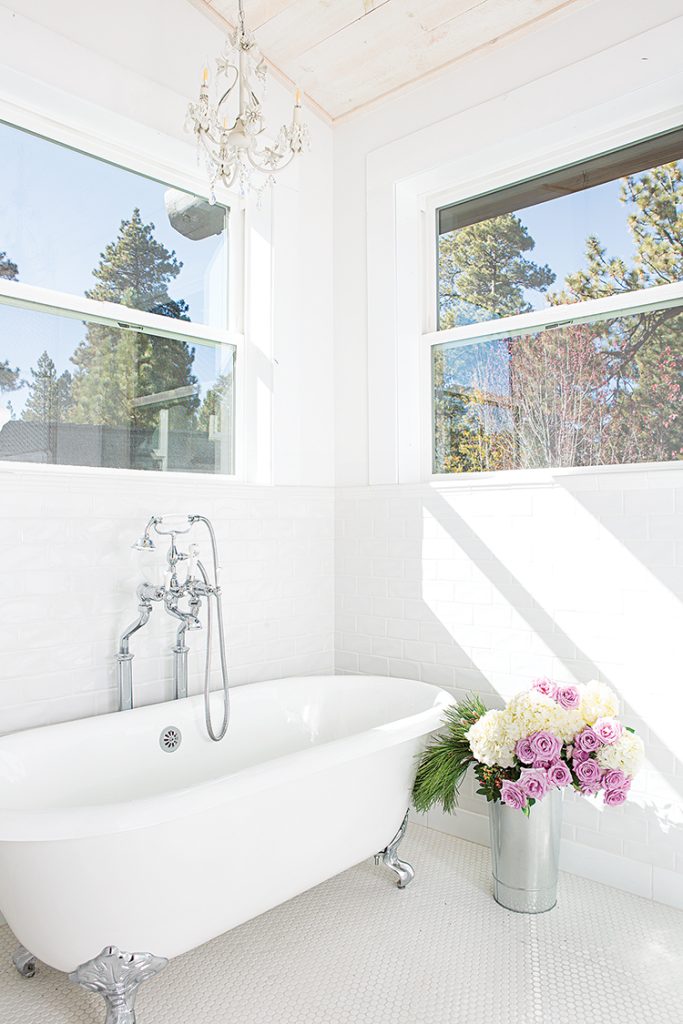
356, 950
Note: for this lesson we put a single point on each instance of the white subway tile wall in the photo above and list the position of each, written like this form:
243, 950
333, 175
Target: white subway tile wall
477, 587
68, 578
470, 587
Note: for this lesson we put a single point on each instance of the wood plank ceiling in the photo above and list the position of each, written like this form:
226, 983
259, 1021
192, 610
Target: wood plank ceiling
345, 54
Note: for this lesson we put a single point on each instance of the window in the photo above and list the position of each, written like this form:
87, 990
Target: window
560, 318
114, 348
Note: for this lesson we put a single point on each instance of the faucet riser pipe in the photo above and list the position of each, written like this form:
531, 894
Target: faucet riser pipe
124, 668
180, 653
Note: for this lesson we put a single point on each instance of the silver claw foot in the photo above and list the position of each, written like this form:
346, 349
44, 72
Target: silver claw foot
116, 976
390, 857
24, 962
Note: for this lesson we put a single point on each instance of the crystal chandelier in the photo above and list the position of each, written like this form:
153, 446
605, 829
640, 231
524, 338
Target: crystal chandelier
228, 119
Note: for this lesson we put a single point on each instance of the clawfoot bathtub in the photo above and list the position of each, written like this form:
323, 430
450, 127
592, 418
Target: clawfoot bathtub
134, 829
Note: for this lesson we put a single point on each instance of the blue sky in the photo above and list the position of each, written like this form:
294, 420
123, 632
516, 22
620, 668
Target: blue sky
59, 210
561, 226
560, 229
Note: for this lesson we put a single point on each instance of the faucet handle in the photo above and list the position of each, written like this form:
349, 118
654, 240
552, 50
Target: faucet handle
193, 555
149, 592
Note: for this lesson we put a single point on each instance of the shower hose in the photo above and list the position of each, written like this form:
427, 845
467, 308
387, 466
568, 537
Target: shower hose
215, 736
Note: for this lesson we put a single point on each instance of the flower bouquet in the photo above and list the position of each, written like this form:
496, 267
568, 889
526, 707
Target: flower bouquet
548, 738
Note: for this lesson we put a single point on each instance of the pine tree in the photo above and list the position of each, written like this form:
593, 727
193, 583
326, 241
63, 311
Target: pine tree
483, 271
8, 269
643, 354
114, 367
9, 378
50, 393
218, 402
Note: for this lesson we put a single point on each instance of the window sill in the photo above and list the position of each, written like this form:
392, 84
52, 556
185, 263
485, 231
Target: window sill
549, 477
36, 469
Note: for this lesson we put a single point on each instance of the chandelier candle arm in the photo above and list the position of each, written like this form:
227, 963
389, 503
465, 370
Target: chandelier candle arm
233, 153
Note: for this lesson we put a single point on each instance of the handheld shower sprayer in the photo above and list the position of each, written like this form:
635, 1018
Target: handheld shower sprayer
198, 585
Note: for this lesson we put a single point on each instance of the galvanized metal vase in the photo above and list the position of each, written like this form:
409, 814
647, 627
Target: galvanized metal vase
525, 852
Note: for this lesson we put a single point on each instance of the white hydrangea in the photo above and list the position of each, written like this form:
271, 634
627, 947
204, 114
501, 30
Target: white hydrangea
493, 738
489, 740
598, 701
627, 753
532, 711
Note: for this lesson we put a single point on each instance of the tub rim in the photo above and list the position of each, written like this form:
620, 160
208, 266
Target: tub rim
82, 821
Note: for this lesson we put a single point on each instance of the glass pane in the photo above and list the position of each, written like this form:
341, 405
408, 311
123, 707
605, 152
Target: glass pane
84, 394
76, 224
578, 395
563, 238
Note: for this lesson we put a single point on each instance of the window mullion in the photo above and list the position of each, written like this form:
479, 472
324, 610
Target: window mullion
590, 310
76, 307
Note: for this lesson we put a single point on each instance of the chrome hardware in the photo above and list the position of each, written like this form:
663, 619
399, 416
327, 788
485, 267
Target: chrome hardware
24, 962
390, 857
181, 595
117, 976
146, 594
170, 739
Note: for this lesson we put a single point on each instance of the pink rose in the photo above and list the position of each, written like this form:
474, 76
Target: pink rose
512, 795
588, 772
545, 745
608, 730
588, 740
523, 751
568, 696
616, 779
578, 756
533, 783
614, 797
544, 686
559, 774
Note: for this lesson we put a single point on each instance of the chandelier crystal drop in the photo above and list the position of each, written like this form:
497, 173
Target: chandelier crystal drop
228, 120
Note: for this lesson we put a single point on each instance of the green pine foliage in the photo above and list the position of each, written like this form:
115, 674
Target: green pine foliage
484, 270
9, 375
50, 393
115, 367
8, 268
594, 394
444, 763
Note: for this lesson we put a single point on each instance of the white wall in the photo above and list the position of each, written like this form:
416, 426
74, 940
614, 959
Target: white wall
118, 79
485, 584
472, 586
606, 67
69, 575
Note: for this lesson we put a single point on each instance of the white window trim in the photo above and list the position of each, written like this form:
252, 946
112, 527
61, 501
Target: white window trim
406, 181
111, 314
75, 307
539, 120
588, 311
169, 166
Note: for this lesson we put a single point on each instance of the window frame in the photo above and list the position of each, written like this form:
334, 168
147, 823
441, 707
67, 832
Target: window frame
38, 299
590, 310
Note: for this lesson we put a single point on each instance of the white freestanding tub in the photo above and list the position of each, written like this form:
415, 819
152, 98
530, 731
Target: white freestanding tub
108, 839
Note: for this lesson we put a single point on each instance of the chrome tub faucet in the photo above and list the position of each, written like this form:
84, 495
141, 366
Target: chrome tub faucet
182, 595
